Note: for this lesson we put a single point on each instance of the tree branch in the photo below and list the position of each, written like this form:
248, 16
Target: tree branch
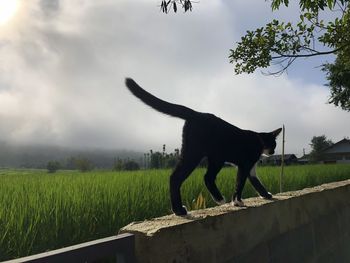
317, 53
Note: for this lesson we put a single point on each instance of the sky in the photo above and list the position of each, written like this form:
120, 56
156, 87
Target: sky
63, 65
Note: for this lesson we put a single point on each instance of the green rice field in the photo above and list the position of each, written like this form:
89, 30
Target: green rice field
41, 211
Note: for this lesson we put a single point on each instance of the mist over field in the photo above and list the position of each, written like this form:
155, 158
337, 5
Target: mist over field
38, 156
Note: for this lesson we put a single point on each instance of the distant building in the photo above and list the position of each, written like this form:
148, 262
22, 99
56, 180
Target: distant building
305, 159
277, 159
337, 153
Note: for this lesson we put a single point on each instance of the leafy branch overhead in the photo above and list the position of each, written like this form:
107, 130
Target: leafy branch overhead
281, 43
167, 6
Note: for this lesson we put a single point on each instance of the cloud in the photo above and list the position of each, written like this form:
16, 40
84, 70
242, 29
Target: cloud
50, 8
66, 61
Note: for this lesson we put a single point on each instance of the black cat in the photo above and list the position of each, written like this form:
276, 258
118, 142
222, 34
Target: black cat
205, 135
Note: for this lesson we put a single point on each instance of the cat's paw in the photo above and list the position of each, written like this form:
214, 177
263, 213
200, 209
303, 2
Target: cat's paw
267, 196
181, 211
237, 202
220, 202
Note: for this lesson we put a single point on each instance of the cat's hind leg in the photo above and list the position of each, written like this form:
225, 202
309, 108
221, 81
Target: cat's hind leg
209, 178
182, 170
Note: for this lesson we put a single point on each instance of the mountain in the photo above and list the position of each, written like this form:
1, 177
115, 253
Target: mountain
37, 156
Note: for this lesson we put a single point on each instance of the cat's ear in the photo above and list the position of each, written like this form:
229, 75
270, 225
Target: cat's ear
276, 132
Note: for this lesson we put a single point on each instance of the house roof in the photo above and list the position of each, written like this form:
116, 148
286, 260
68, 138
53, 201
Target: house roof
304, 158
343, 146
278, 157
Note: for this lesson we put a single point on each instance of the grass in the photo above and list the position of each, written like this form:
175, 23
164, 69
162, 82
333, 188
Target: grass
41, 211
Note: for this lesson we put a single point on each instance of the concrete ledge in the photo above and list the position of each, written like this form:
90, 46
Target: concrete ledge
310, 225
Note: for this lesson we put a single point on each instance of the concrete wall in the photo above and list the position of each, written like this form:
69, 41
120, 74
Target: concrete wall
311, 225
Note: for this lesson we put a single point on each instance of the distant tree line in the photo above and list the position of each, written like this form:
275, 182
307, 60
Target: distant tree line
73, 163
84, 165
164, 160
125, 165
158, 160
151, 160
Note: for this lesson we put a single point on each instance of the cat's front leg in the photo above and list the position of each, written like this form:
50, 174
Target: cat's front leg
220, 202
254, 180
237, 202
267, 196
180, 211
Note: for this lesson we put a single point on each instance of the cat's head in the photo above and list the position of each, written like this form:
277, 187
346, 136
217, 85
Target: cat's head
269, 141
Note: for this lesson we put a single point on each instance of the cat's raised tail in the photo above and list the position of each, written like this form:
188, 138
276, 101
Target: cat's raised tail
165, 107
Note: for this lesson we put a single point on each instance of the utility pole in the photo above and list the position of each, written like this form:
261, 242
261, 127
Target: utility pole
282, 159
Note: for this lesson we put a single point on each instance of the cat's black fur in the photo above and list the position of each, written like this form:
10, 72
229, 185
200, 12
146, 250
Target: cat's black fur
205, 135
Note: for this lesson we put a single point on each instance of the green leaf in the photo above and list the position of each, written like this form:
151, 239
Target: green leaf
330, 4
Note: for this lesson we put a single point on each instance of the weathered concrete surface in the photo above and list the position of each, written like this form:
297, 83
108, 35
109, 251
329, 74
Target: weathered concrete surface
311, 225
